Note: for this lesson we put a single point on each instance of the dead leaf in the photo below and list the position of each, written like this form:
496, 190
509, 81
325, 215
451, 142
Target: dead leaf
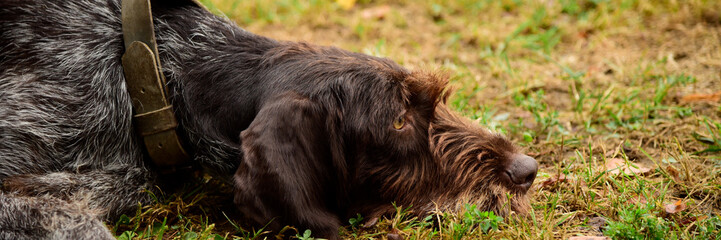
673, 172
588, 238
536, 154
378, 12
371, 222
616, 166
395, 234
597, 222
346, 4
701, 97
675, 207
554, 181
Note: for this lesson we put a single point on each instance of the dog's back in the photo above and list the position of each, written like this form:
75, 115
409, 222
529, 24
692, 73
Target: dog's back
63, 102
65, 120
65, 114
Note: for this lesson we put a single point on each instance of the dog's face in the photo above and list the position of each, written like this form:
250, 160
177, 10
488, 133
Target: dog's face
373, 134
408, 147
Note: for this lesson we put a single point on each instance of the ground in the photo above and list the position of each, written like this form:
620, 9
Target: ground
590, 88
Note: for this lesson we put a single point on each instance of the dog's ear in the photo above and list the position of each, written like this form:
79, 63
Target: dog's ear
286, 174
427, 89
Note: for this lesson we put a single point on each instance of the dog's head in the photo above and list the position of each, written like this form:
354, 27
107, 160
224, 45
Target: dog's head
344, 133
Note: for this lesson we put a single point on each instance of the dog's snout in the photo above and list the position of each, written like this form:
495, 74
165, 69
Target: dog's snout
522, 170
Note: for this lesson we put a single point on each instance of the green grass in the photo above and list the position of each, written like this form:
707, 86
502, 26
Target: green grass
574, 83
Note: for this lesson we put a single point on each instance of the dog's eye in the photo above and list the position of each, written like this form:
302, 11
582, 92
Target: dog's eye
399, 122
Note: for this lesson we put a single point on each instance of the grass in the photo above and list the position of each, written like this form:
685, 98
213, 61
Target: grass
575, 83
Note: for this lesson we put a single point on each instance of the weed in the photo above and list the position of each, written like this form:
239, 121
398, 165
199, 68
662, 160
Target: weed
709, 228
305, 236
485, 220
712, 140
665, 83
535, 104
639, 222
356, 221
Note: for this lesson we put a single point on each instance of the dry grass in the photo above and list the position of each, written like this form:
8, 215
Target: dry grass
575, 83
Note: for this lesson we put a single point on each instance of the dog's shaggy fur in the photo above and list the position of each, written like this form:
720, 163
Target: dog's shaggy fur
305, 133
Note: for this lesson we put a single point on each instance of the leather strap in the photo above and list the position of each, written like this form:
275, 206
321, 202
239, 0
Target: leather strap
154, 119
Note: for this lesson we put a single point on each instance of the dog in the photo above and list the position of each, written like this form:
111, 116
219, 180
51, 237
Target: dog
308, 135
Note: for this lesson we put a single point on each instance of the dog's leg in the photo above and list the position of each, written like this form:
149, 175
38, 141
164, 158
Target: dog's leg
286, 173
47, 217
113, 192
64, 205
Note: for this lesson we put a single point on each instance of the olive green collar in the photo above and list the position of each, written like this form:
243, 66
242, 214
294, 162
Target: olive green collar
153, 118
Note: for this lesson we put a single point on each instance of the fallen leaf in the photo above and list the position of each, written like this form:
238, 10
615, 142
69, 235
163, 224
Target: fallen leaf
536, 154
555, 181
701, 97
378, 12
395, 234
673, 172
588, 238
675, 207
346, 4
597, 222
617, 166
370, 223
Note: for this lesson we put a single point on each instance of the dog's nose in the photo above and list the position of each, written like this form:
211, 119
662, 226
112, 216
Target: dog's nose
522, 170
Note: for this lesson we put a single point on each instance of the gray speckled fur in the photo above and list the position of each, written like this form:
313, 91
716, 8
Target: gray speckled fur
65, 115
44, 217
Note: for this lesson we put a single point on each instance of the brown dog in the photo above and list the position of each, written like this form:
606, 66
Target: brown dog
310, 135
345, 133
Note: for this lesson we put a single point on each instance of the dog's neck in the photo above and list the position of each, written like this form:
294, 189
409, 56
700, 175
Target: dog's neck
192, 48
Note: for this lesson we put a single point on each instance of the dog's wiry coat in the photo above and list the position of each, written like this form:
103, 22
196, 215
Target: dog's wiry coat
304, 131
65, 114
